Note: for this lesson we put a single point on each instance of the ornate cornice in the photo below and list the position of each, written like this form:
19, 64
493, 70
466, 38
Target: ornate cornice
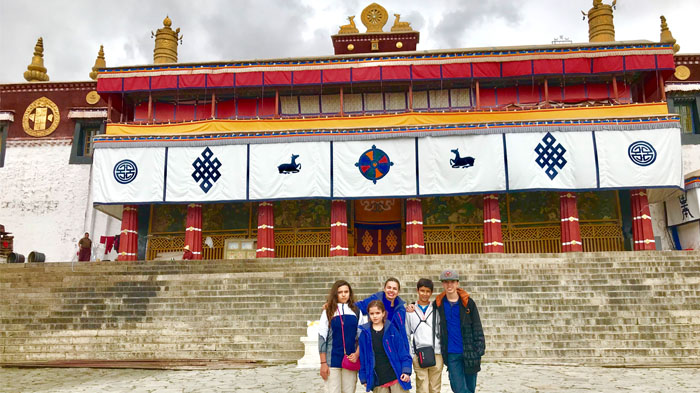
46, 86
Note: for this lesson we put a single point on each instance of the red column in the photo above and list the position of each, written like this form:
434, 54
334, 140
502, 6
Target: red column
493, 237
642, 230
266, 231
570, 230
129, 238
414, 227
339, 229
193, 230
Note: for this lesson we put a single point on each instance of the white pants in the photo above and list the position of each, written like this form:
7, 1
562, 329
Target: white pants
341, 380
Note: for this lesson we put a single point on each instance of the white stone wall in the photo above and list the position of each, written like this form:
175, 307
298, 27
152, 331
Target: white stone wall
691, 158
44, 201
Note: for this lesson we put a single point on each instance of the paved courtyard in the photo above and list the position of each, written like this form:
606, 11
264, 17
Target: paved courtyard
493, 378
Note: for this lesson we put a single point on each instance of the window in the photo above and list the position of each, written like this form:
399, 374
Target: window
688, 113
87, 133
3, 142
81, 152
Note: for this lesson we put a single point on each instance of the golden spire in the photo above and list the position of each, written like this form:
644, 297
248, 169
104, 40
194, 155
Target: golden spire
600, 22
99, 63
166, 43
36, 72
666, 35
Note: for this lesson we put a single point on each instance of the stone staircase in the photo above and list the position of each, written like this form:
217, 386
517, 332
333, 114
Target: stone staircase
619, 308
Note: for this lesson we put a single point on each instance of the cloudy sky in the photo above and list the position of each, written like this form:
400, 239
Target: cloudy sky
216, 30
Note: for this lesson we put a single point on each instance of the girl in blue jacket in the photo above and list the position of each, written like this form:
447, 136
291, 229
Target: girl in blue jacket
385, 361
393, 304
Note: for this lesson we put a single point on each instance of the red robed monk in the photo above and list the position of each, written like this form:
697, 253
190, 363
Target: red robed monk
84, 245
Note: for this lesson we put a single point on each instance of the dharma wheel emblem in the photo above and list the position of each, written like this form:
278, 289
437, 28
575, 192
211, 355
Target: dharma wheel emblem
374, 164
374, 17
41, 118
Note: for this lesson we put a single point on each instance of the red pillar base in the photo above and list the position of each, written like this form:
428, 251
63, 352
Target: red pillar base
339, 229
193, 232
493, 237
129, 238
266, 231
642, 230
415, 243
570, 229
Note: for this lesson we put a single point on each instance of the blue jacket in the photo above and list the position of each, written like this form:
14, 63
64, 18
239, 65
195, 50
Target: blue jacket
399, 317
395, 348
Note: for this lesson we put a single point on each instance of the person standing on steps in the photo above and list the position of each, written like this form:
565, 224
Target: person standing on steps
395, 306
423, 333
337, 339
85, 248
385, 363
462, 337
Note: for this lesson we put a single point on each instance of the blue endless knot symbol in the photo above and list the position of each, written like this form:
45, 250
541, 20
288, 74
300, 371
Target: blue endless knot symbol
206, 169
550, 156
125, 171
642, 153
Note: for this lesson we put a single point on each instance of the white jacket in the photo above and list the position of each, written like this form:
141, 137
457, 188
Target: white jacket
423, 335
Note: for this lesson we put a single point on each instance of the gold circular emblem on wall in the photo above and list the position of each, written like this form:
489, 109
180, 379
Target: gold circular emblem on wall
682, 73
41, 117
92, 98
399, 44
374, 17
351, 47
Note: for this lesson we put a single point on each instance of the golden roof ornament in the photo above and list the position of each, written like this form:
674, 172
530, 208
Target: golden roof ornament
350, 28
666, 35
600, 22
36, 72
400, 26
374, 17
166, 43
99, 63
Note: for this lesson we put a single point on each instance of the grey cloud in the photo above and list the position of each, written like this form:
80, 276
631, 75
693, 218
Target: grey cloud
470, 14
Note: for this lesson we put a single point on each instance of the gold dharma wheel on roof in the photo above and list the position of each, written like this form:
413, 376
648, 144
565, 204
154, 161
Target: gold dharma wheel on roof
374, 17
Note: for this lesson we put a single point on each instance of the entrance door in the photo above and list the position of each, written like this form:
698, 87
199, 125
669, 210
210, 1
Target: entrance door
378, 227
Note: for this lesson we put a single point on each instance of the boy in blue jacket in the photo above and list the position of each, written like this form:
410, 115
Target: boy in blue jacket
385, 362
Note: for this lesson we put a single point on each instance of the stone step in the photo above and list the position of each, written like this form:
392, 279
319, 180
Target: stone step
601, 308
484, 271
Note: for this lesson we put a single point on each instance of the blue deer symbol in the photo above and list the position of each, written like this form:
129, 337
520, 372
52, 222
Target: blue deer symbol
461, 162
292, 167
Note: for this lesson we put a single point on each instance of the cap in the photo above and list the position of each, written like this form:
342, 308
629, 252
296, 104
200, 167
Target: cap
449, 275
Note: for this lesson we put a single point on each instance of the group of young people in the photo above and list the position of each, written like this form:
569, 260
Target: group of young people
382, 340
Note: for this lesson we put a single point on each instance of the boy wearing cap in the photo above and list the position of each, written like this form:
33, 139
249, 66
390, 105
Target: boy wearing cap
462, 337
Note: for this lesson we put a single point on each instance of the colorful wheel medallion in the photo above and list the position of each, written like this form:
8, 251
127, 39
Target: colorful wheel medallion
374, 164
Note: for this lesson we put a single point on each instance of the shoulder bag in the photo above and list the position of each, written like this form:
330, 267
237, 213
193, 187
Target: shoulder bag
347, 364
426, 355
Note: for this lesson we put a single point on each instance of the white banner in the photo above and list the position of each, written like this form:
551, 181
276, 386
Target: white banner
683, 208
290, 170
379, 168
128, 175
552, 160
401, 167
644, 159
461, 164
206, 174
